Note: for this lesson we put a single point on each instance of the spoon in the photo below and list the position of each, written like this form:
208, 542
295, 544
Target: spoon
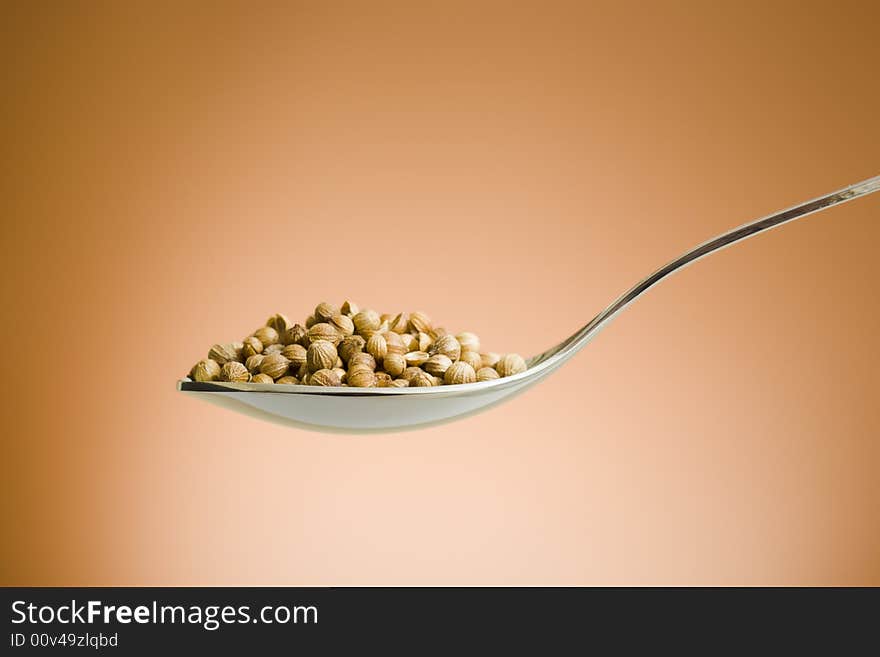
368, 410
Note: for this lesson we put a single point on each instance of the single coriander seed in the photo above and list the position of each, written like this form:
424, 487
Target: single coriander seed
394, 364
472, 358
266, 335
343, 324
253, 363
251, 346
510, 364
437, 364
350, 346
362, 378
366, 320
446, 345
324, 331
419, 321
222, 353
468, 341
377, 347
459, 373
487, 374
416, 358
205, 370
279, 322
296, 334
321, 355
324, 311
234, 372
327, 378
362, 359
275, 365
421, 380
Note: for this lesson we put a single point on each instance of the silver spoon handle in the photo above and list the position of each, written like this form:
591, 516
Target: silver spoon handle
733, 236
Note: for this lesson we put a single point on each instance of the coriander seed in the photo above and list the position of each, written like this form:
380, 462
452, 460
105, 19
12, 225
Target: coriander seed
297, 334
472, 358
266, 335
222, 353
437, 364
377, 347
421, 380
459, 373
279, 322
362, 378
446, 345
394, 343
324, 331
487, 374
275, 365
343, 324
394, 364
416, 358
419, 322
362, 359
205, 370
295, 353
234, 372
251, 346
253, 363
324, 311
350, 346
510, 364
410, 343
321, 355
325, 378
468, 341
366, 320
410, 372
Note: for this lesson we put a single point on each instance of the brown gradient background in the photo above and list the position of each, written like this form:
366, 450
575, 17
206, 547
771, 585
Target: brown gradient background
175, 173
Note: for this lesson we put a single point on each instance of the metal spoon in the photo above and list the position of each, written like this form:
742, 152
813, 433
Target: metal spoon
365, 410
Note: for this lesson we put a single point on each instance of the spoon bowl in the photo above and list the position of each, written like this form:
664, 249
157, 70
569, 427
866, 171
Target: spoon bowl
371, 410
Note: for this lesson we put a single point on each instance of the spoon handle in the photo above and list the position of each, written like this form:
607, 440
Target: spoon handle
584, 335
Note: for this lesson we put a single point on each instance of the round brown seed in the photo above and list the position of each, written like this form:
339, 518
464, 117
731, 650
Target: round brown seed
394, 364
437, 364
205, 370
458, 373
321, 355
327, 378
510, 364
487, 374
362, 378
235, 372
275, 365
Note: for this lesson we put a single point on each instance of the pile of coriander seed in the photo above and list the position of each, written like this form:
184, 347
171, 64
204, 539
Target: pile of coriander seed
347, 346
